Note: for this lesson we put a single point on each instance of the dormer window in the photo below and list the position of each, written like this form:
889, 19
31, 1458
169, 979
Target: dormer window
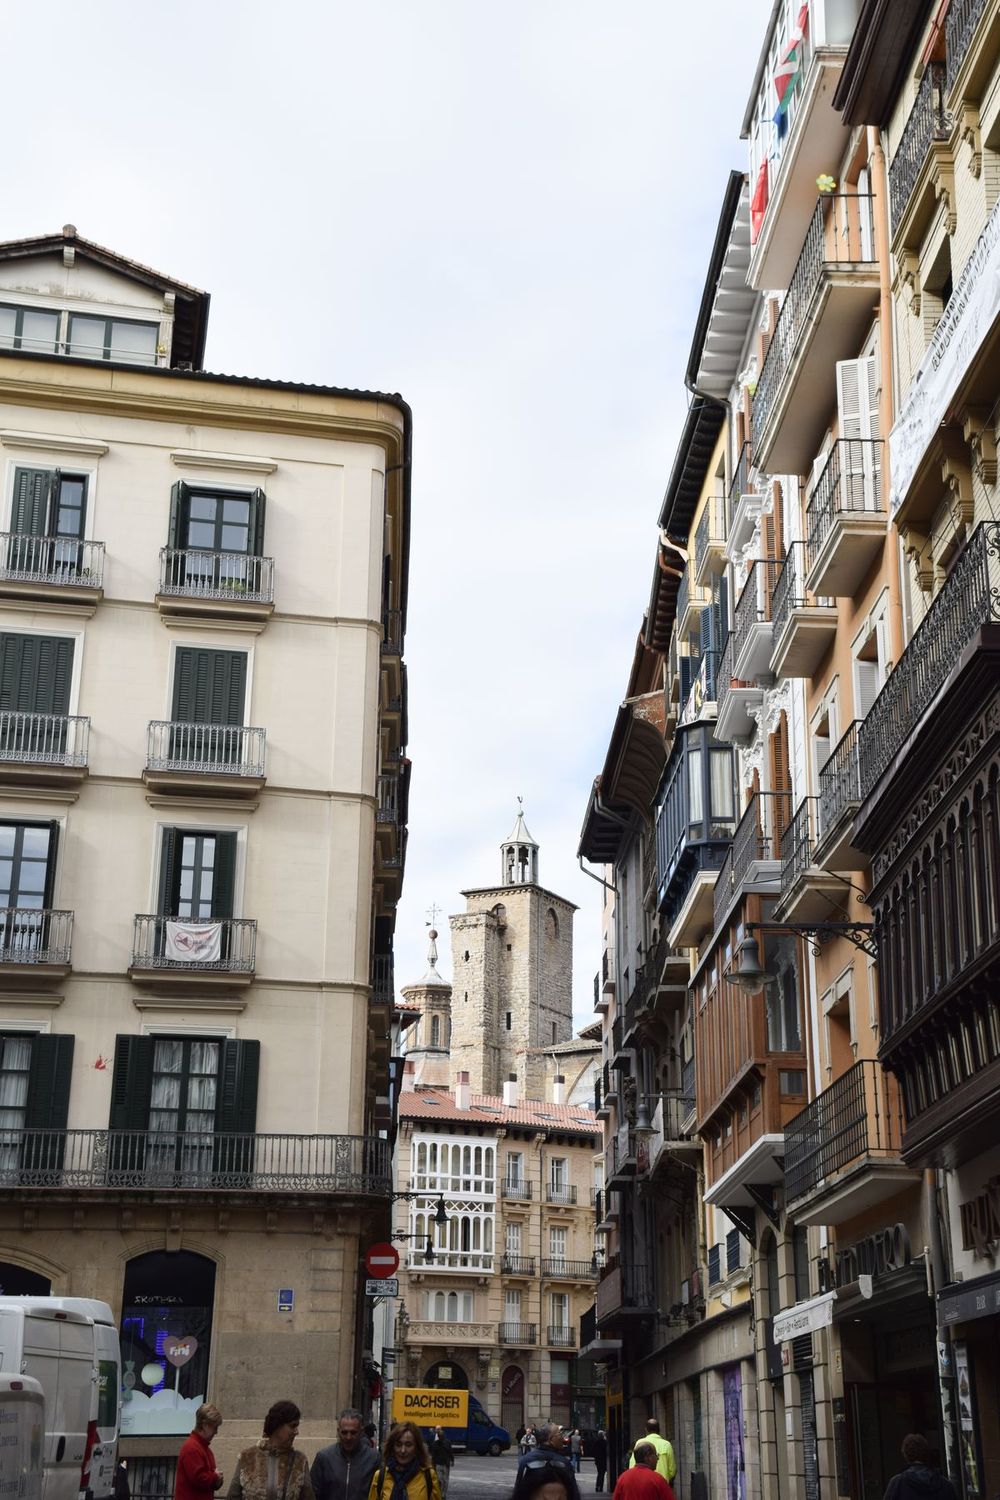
127, 341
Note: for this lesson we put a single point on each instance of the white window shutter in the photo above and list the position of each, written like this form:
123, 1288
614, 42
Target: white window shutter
857, 404
866, 678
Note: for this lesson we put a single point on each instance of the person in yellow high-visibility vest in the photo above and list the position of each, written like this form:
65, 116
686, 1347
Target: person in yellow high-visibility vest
666, 1463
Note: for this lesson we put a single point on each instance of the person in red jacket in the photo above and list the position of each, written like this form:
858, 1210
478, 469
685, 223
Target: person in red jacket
643, 1482
197, 1476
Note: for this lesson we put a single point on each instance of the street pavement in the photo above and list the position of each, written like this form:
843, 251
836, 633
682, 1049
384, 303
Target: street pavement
473, 1477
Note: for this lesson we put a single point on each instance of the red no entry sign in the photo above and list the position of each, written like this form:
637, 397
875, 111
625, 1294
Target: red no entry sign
382, 1260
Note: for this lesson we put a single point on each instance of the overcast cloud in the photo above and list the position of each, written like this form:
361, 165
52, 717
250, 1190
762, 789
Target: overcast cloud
504, 212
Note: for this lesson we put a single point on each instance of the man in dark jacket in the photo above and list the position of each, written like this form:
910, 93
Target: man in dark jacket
918, 1481
550, 1450
344, 1470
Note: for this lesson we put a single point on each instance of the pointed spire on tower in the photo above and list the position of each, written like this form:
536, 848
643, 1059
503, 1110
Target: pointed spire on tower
519, 853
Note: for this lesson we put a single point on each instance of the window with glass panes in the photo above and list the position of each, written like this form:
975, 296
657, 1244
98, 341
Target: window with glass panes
515, 1168
35, 1071
512, 1239
27, 858
15, 1067
559, 1173
33, 328
559, 1309
183, 1102
557, 1245
122, 339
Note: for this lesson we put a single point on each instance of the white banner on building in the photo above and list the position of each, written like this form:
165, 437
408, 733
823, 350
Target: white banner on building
194, 942
804, 1317
965, 323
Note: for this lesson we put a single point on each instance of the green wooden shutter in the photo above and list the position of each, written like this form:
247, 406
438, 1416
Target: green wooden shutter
50, 867
209, 686
177, 528
131, 1083
36, 672
47, 1104
11, 671
31, 501
225, 876
239, 1074
170, 850
255, 536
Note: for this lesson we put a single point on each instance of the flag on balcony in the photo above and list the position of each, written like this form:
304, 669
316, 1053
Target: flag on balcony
194, 942
758, 203
789, 69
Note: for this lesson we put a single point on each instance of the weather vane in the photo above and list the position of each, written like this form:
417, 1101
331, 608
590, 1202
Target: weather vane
432, 914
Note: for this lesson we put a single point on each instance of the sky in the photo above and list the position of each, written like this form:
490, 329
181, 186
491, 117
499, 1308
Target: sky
504, 213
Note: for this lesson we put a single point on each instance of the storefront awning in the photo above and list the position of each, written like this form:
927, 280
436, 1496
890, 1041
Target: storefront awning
973, 1299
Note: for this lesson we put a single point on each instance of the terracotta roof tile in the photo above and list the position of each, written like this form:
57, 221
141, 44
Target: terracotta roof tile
489, 1109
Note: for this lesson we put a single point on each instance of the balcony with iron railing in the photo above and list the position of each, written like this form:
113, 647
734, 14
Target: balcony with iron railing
561, 1336
691, 600
437, 1331
521, 1335
206, 760
805, 624
700, 702
845, 518
809, 892
842, 1153
177, 951
753, 619
223, 585
968, 600
555, 1268
672, 1138
34, 942
695, 818
823, 317
382, 979
839, 800
195, 1161
621, 1157
43, 749
625, 1294
518, 1189
745, 502
736, 698
960, 26
560, 1192
51, 569
517, 1265
710, 541
911, 166
753, 863
392, 632
619, 1056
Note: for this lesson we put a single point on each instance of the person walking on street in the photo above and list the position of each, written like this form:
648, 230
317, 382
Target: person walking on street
197, 1476
576, 1448
442, 1457
405, 1471
549, 1451
344, 1470
642, 1480
918, 1481
601, 1458
666, 1463
528, 1439
546, 1482
273, 1466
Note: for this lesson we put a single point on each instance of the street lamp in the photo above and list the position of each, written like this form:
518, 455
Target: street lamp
750, 974
440, 1216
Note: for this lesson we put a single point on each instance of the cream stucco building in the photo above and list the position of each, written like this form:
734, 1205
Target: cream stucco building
202, 829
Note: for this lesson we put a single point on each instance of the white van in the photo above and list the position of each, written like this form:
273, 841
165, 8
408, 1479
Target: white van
70, 1346
22, 1431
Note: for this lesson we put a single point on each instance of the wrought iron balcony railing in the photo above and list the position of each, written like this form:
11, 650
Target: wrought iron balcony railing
51, 560
387, 806
44, 739
711, 533
757, 841
559, 1192
755, 605
840, 781
839, 233
850, 485
156, 947
383, 978
561, 1336
190, 573
33, 935
617, 1034
703, 688
524, 1335
673, 1110
969, 598
206, 1161
215, 749
517, 1265
790, 591
858, 1117
392, 632
798, 839
959, 28
740, 484
518, 1188
928, 121
568, 1270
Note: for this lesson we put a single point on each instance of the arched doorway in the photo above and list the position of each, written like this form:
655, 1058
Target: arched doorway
512, 1398
447, 1375
16, 1281
166, 1338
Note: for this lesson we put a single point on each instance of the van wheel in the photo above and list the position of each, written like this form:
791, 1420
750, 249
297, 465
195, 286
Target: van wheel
495, 1449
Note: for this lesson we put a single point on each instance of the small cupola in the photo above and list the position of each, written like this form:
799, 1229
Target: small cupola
519, 854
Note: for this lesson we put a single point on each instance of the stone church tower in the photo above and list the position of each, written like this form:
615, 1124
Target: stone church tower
512, 975
427, 1044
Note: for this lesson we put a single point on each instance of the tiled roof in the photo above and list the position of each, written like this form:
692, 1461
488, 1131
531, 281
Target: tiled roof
431, 1103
